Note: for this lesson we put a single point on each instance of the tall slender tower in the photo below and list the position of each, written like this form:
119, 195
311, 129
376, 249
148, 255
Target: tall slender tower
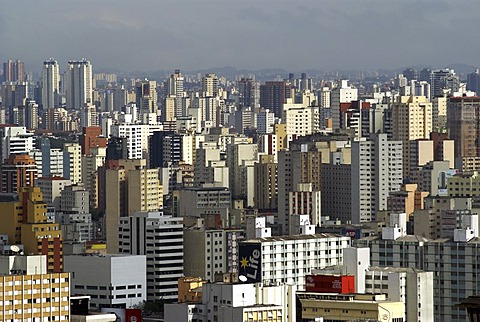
174, 88
14, 71
50, 84
79, 88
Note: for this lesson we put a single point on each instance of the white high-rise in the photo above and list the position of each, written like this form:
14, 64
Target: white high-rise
343, 93
50, 84
174, 89
377, 169
79, 89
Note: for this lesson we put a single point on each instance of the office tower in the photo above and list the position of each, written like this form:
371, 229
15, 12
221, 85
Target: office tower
442, 80
79, 87
146, 96
72, 162
376, 171
174, 89
92, 138
473, 81
122, 285
30, 293
18, 171
164, 256
50, 84
14, 71
266, 183
463, 114
342, 93
248, 95
15, 140
25, 222
272, 96
210, 85
129, 187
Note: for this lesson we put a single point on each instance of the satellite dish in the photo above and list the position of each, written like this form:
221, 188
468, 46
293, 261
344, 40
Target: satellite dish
15, 248
242, 278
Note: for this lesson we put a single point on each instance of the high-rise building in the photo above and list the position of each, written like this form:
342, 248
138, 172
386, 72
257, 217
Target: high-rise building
272, 96
248, 95
210, 85
18, 171
72, 162
266, 183
442, 80
376, 171
343, 93
25, 222
92, 138
14, 71
146, 96
15, 140
129, 188
50, 84
164, 255
473, 82
412, 118
30, 292
463, 114
174, 89
79, 87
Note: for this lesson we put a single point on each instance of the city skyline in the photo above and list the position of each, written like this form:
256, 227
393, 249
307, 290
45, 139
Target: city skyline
325, 35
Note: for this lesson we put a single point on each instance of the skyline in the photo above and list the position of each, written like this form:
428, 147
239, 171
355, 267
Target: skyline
195, 35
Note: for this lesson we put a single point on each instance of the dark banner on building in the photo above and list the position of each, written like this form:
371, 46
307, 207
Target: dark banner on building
250, 263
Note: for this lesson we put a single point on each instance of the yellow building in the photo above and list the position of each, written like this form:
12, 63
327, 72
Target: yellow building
29, 293
130, 188
349, 307
190, 289
24, 220
412, 118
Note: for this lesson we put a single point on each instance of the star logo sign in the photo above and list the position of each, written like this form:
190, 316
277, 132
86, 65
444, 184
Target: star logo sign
244, 262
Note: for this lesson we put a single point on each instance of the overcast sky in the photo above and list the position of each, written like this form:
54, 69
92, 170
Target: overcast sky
145, 35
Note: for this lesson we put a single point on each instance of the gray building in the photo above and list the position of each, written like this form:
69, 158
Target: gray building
110, 280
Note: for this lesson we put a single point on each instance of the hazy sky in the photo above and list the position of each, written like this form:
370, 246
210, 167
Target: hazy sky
193, 34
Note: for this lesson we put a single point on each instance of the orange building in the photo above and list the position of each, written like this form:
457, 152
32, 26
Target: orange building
19, 170
24, 220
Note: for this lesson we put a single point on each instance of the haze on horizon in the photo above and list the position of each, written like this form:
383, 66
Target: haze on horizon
148, 35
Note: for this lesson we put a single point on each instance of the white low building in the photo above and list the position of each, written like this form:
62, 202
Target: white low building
109, 280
